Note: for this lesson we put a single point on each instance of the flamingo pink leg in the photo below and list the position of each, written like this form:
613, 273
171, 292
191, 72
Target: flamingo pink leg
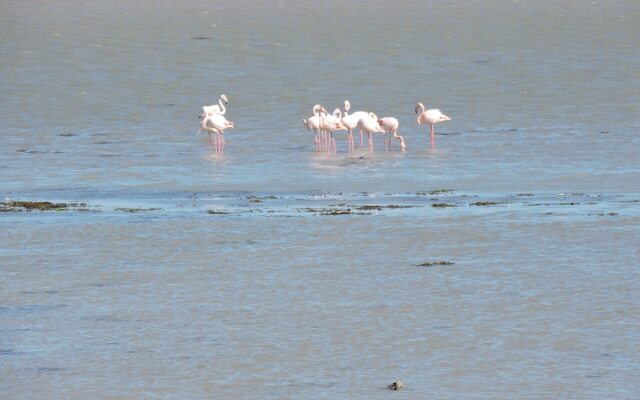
433, 137
334, 143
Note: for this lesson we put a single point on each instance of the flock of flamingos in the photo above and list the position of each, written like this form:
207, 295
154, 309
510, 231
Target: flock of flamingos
323, 124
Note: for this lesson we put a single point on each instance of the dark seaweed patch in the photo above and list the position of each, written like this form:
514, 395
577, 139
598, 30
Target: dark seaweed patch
443, 205
433, 192
484, 203
368, 207
135, 210
434, 263
337, 212
31, 205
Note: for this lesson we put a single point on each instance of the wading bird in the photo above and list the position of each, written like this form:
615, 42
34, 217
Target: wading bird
431, 117
216, 124
216, 108
390, 126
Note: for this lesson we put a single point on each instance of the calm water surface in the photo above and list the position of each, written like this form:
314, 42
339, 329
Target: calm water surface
273, 271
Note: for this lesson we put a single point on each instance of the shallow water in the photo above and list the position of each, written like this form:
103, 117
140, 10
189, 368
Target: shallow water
273, 271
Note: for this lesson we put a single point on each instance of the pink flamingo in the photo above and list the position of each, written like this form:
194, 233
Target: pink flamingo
330, 124
216, 108
390, 126
350, 121
431, 117
313, 124
370, 125
216, 124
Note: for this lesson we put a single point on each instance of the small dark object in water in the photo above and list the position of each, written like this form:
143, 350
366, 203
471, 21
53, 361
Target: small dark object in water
216, 212
337, 212
369, 207
434, 263
135, 210
484, 203
443, 205
397, 385
201, 38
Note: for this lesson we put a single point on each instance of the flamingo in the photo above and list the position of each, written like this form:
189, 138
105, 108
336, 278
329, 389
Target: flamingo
390, 125
313, 123
431, 117
330, 124
216, 108
370, 125
216, 124
350, 121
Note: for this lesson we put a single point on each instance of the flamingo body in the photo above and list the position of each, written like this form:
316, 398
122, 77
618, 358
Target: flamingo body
350, 121
370, 125
216, 124
431, 117
390, 125
215, 108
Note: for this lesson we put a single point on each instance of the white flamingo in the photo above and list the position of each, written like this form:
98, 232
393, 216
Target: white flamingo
370, 125
330, 124
431, 117
215, 108
390, 126
216, 124
313, 124
350, 121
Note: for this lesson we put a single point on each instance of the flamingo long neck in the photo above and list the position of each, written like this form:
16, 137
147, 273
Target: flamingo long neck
222, 108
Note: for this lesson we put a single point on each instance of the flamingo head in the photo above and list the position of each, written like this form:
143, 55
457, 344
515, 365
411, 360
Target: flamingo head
347, 106
202, 115
419, 106
224, 98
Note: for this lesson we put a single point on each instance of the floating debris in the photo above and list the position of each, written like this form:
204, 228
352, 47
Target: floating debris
368, 207
136, 210
337, 212
433, 192
443, 205
217, 212
485, 203
397, 385
434, 263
